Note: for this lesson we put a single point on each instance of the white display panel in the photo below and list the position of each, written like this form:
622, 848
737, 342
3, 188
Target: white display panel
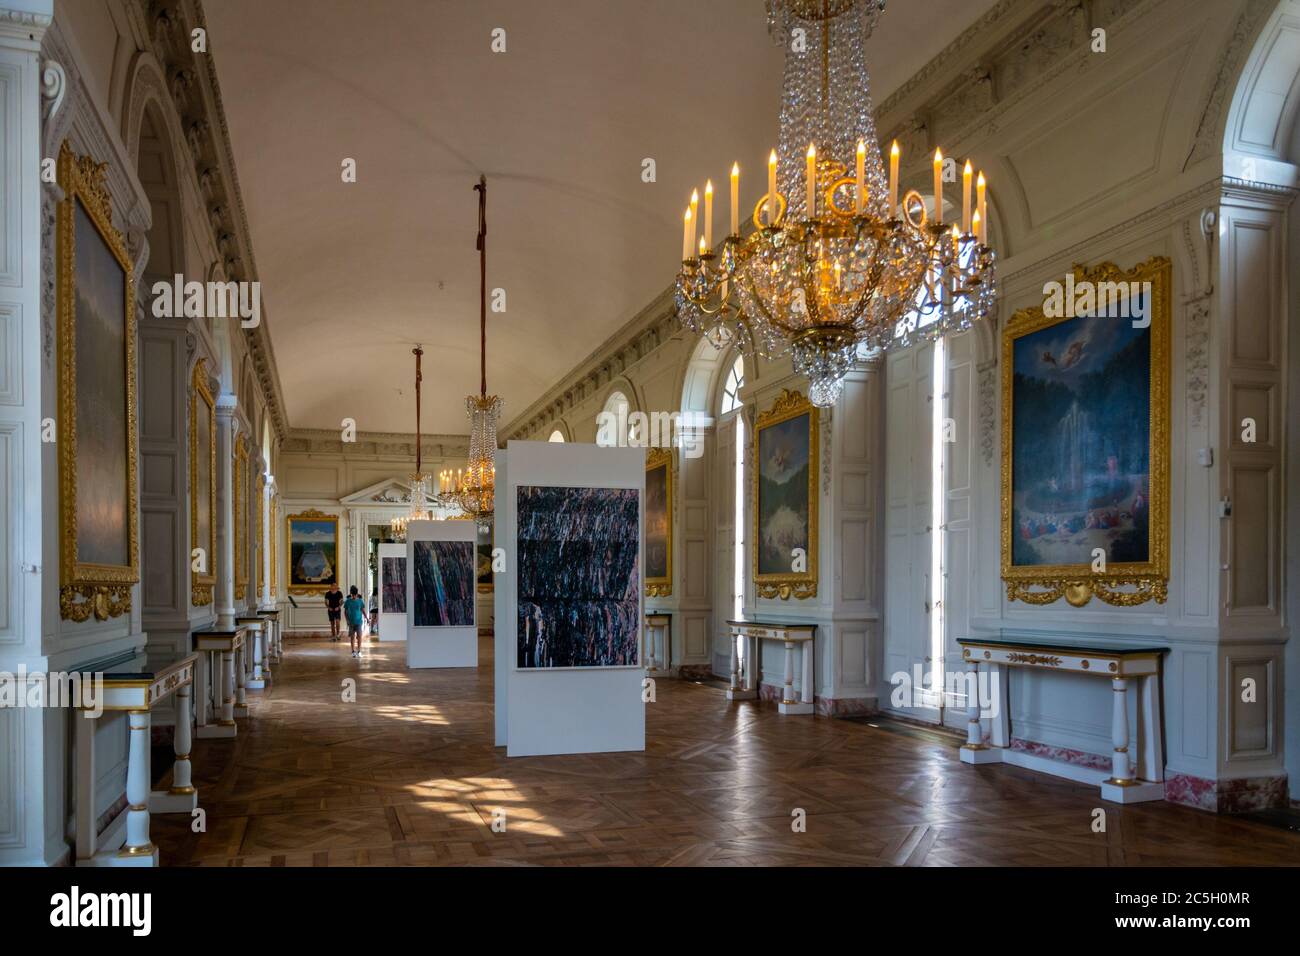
392, 624
502, 663
557, 710
439, 645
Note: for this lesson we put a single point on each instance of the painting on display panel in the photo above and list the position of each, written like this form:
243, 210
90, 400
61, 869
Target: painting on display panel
659, 523
99, 554
785, 495
578, 571
1085, 440
392, 591
313, 544
443, 587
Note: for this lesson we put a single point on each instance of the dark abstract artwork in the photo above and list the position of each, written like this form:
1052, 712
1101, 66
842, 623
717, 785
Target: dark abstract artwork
393, 593
443, 592
1081, 464
578, 576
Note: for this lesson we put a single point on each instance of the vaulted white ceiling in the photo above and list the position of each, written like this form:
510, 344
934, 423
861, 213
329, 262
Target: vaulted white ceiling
354, 274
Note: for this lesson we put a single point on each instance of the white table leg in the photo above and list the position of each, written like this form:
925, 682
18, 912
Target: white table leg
999, 693
241, 680
228, 689
1151, 760
788, 704
807, 679
138, 847
735, 658
201, 691
257, 679
974, 750
974, 732
1121, 770
181, 797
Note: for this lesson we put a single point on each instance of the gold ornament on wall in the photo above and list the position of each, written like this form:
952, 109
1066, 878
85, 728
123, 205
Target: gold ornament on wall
659, 522
203, 486
95, 283
1091, 475
239, 514
258, 549
785, 469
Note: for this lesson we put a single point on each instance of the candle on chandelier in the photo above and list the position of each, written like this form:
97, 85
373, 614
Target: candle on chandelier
686, 235
708, 213
965, 197
977, 227
703, 247
938, 186
771, 189
980, 208
862, 176
811, 199
893, 179
695, 212
735, 199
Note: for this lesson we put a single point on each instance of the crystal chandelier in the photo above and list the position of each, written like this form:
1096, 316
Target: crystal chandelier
472, 489
419, 481
835, 266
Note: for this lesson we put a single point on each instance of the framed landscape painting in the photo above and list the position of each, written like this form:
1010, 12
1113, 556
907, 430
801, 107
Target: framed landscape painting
659, 522
785, 499
578, 572
1085, 442
313, 538
99, 553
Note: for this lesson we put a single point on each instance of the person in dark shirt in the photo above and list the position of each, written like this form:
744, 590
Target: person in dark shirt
334, 607
354, 609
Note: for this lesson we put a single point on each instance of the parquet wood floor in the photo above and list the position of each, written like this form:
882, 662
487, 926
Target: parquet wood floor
408, 775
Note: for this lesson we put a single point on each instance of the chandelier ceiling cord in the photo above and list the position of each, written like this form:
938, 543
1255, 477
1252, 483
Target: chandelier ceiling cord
419, 480
472, 491
836, 266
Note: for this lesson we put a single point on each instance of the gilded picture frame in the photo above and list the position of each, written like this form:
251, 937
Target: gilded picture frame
259, 504
203, 499
1117, 503
275, 535
91, 581
311, 521
659, 476
239, 513
777, 528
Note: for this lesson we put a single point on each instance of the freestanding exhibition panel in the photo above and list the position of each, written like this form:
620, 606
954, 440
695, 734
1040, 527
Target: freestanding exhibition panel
571, 518
392, 592
441, 616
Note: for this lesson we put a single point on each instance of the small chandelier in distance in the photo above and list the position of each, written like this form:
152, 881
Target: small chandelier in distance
840, 265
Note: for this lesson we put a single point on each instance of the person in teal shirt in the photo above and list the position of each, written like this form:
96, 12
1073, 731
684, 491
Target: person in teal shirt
354, 612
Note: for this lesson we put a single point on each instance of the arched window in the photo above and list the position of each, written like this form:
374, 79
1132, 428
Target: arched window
731, 389
612, 415
556, 435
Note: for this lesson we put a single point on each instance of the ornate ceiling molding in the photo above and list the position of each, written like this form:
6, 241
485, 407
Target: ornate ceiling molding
326, 441
165, 27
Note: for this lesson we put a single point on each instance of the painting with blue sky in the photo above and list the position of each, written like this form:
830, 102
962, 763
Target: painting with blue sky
1081, 442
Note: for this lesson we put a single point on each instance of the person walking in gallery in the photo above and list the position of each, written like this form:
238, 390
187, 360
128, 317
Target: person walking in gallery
374, 611
354, 609
334, 607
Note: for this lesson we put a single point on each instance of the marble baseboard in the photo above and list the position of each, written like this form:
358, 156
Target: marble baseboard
845, 706
1080, 758
696, 672
1227, 796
